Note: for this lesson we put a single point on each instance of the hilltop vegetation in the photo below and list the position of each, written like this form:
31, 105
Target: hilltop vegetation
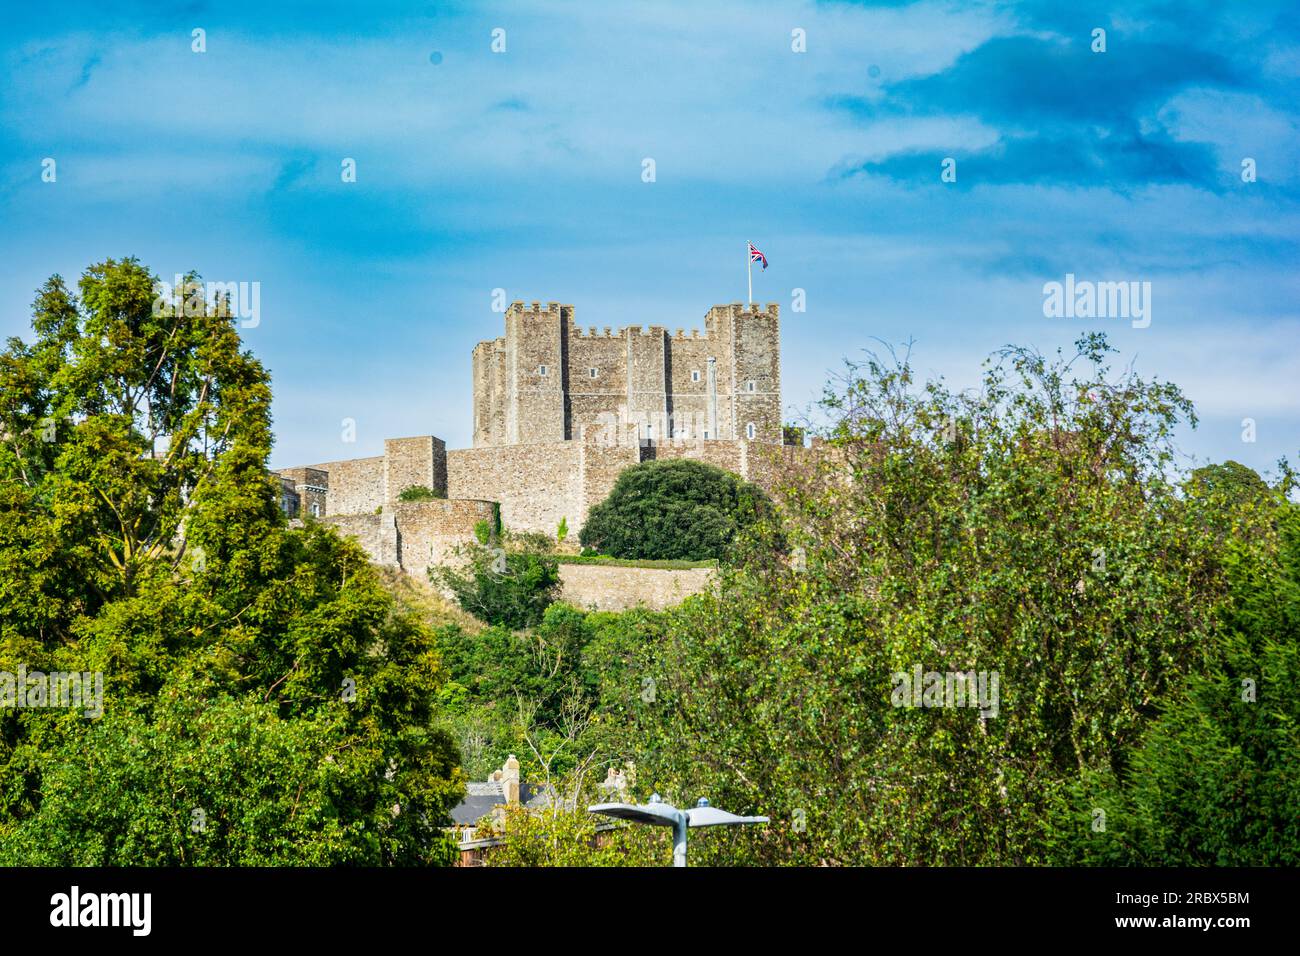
1142, 629
673, 510
272, 698
264, 699
1031, 530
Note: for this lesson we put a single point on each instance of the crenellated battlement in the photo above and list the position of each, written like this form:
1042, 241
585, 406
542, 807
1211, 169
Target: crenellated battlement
609, 332
559, 412
520, 306
772, 309
536, 310
548, 376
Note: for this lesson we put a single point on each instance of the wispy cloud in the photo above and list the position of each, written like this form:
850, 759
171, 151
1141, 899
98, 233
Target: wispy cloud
523, 170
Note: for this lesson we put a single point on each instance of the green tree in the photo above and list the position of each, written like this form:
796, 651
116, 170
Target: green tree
575, 667
261, 675
510, 583
1028, 529
1230, 481
1216, 779
562, 835
677, 509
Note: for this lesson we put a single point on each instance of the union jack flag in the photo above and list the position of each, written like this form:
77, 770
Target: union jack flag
756, 256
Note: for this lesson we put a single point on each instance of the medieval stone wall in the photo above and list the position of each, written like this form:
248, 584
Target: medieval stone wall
356, 485
311, 485
600, 463
489, 383
364, 528
430, 531
414, 462
612, 588
757, 364
597, 376
536, 484
413, 535
547, 377
730, 456
559, 412
535, 372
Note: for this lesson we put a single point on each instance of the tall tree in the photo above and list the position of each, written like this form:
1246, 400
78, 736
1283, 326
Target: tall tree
1026, 530
140, 537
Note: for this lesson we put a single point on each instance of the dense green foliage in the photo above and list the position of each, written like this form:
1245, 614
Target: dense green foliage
264, 699
1231, 483
1216, 779
677, 509
563, 836
559, 685
268, 700
510, 583
1029, 529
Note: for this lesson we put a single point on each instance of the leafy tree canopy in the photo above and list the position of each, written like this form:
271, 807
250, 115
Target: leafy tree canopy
673, 509
1028, 529
260, 676
1215, 780
508, 580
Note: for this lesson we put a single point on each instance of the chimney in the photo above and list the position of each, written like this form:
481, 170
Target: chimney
510, 781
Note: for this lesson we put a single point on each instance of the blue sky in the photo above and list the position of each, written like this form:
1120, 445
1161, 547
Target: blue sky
522, 170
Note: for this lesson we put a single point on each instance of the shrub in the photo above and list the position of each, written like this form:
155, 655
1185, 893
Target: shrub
420, 493
665, 510
510, 585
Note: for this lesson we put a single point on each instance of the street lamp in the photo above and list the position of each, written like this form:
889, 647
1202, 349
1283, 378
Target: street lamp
659, 814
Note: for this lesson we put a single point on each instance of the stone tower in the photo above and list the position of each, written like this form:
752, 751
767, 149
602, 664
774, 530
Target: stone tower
547, 378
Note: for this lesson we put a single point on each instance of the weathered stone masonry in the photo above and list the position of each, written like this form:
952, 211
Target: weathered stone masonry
612, 588
547, 378
559, 412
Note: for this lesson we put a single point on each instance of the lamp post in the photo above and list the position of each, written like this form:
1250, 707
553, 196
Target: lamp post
660, 814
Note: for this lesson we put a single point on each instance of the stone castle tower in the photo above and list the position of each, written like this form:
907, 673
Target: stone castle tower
559, 413
547, 379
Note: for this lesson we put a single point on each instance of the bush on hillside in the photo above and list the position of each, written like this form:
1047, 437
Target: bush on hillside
510, 583
673, 510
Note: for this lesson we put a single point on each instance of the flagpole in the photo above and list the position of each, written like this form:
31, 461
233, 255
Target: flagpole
749, 271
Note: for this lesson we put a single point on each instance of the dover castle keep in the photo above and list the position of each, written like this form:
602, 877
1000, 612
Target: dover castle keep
559, 412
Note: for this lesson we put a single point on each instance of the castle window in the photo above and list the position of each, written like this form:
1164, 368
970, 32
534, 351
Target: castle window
543, 370
706, 433
750, 431
593, 372
751, 386
695, 375
315, 509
